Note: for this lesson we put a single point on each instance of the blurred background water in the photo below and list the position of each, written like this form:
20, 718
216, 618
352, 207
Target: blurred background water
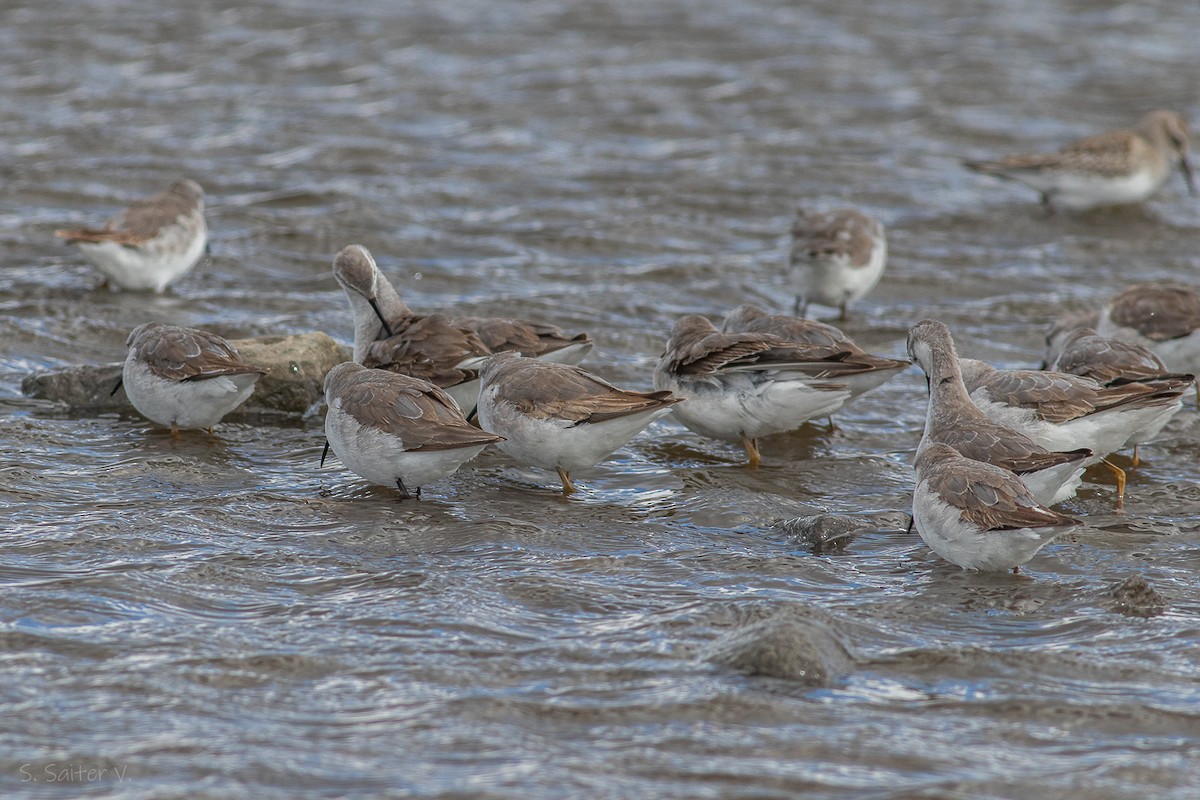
222, 618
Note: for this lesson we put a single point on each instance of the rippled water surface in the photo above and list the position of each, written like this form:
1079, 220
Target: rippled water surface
220, 617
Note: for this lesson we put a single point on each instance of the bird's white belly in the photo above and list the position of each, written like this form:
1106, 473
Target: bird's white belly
739, 407
834, 280
550, 443
185, 404
1078, 191
148, 267
381, 458
941, 527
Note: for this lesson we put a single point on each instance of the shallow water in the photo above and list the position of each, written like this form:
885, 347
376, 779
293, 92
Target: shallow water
219, 617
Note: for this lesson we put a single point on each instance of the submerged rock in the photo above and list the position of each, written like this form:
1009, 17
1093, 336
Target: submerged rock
788, 644
1135, 597
295, 382
830, 533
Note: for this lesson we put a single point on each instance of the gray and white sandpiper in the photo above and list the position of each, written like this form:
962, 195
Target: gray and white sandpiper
1161, 316
1112, 362
447, 351
740, 387
185, 378
389, 336
1061, 411
150, 244
836, 258
558, 416
396, 430
1073, 346
952, 418
848, 363
979, 516
1120, 166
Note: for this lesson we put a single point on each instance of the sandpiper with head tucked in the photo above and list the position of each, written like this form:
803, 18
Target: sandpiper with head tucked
396, 430
1111, 362
152, 243
848, 363
1073, 346
977, 515
952, 418
558, 416
836, 258
533, 339
1164, 317
1121, 166
743, 386
183, 377
1061, 411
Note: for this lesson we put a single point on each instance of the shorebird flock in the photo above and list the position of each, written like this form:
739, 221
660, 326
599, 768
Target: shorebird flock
427, 392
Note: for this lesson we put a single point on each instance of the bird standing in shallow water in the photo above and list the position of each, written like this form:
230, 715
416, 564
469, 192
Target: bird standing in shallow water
836, 258
977, 515
152, 243
1110, 362
847, 362
558, 416
1073, 346
1061, 411
742, 386
1121, 166
389, 336
443, 350
952, 418
184, 378
396, 430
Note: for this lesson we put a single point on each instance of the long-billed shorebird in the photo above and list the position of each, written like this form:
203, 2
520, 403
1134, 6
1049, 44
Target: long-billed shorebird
445, 350
185, 378
558, 416
389, 336
396, 430
952, 418
1120, 166
150, 244
836, 258
740, 387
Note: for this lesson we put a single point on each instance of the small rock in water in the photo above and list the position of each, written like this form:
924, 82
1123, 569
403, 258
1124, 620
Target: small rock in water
830, 533
297, 369
788, 644
86, 388
296, 379
1135, 597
